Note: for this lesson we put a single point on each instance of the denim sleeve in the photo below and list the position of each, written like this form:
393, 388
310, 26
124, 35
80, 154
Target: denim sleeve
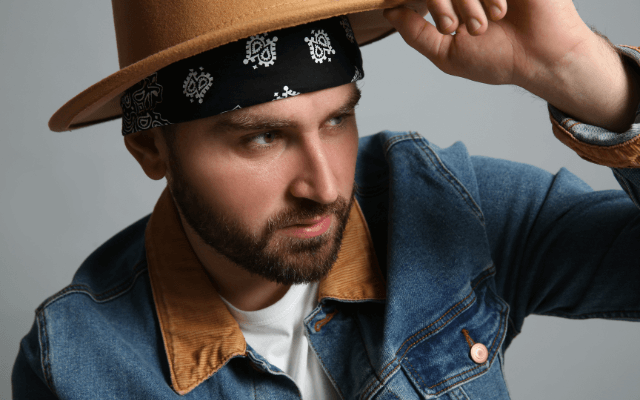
559, 247
28, 378
629, 178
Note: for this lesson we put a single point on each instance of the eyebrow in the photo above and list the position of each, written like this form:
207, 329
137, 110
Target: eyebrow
248, 122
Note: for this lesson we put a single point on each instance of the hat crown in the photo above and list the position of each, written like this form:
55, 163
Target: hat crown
146, 27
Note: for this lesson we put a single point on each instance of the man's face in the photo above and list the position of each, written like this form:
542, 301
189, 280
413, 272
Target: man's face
270, 187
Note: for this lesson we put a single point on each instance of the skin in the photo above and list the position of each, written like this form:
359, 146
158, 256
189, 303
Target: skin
252, 164
542, 46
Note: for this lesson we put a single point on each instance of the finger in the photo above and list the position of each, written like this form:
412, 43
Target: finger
495, 9
473, 16
419, 34
444, 15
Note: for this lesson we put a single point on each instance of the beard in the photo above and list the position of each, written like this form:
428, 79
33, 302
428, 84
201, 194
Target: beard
277, 258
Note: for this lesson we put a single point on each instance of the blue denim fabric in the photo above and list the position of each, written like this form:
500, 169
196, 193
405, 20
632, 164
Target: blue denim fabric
628, 178
465, 242
594, 134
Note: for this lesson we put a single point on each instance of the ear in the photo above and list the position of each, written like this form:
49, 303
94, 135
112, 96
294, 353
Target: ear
149, 149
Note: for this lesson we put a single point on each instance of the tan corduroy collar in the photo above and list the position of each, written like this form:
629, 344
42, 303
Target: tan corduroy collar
199, 333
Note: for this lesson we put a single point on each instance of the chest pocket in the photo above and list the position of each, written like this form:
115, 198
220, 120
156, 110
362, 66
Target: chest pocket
462, 352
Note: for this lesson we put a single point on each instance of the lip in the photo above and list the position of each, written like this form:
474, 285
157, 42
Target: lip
313, 229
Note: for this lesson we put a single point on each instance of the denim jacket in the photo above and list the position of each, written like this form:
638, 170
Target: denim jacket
468, 246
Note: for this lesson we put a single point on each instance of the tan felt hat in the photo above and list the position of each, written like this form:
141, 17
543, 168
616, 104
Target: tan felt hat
152, 34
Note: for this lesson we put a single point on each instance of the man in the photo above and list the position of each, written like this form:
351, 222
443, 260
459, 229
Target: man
262, 197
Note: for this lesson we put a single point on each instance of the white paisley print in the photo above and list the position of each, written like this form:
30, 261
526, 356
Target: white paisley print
319, 46
262, 49
357, 76
233, 109
138, 107
286, 93
197, 84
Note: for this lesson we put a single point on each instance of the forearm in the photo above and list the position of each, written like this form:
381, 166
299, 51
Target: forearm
592, 84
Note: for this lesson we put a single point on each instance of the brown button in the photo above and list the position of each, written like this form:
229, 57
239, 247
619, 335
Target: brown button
479, 353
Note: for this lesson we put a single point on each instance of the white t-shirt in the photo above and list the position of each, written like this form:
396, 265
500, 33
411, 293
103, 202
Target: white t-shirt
277, 334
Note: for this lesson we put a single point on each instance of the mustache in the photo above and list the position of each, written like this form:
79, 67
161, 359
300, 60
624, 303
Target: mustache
306, 209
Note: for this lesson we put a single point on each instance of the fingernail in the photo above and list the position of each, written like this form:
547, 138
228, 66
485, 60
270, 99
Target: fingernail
495, 11
445, 22
473, 25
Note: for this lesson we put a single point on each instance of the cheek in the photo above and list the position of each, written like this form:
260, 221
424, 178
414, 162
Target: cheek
344, 160
250, 191
246, 191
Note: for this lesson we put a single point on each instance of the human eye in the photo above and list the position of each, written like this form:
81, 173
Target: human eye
262, 140
337, 121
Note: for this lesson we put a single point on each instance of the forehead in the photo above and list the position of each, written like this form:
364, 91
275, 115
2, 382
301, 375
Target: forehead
308, 106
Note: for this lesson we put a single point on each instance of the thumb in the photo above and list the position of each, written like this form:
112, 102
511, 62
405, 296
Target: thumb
417, 32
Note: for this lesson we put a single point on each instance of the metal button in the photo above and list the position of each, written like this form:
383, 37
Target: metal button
479, 353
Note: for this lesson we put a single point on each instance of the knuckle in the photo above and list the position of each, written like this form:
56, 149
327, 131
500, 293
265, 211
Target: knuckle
440, 7
418, 34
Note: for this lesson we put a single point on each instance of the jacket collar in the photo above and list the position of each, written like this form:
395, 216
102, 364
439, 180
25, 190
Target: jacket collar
199, 333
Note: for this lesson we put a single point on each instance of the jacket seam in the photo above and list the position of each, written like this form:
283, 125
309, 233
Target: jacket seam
335, 384
453, 181
493, 342
324, 367
462, 395
108, 295
395, 140
486, 273
422, 337
313, 315
43, 336
45, 361
393, 393
366, 350
253, 383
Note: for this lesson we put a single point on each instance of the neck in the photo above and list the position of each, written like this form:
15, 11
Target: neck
245, 291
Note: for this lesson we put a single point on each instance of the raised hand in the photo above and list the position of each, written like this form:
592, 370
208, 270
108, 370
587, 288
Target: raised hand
510, 46
540, 45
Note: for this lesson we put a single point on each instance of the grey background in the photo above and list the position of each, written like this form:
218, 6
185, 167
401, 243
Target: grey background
63, 194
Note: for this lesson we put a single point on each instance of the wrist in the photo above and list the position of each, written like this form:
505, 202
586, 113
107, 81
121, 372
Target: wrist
591, 83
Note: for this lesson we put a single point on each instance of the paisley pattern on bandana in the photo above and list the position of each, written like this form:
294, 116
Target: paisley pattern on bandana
262, 49
357, 76
311, 57
197, 85
319, 46
233, 109
286, 93
139, 105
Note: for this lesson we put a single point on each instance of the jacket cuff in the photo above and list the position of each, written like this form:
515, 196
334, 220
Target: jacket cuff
598, 145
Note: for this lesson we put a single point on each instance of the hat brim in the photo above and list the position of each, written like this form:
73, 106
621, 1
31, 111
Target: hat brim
101, 102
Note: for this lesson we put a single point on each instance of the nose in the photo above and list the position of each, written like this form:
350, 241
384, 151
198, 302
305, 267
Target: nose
314, 178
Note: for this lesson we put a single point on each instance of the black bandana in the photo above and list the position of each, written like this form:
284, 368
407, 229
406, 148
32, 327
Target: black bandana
266, 67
